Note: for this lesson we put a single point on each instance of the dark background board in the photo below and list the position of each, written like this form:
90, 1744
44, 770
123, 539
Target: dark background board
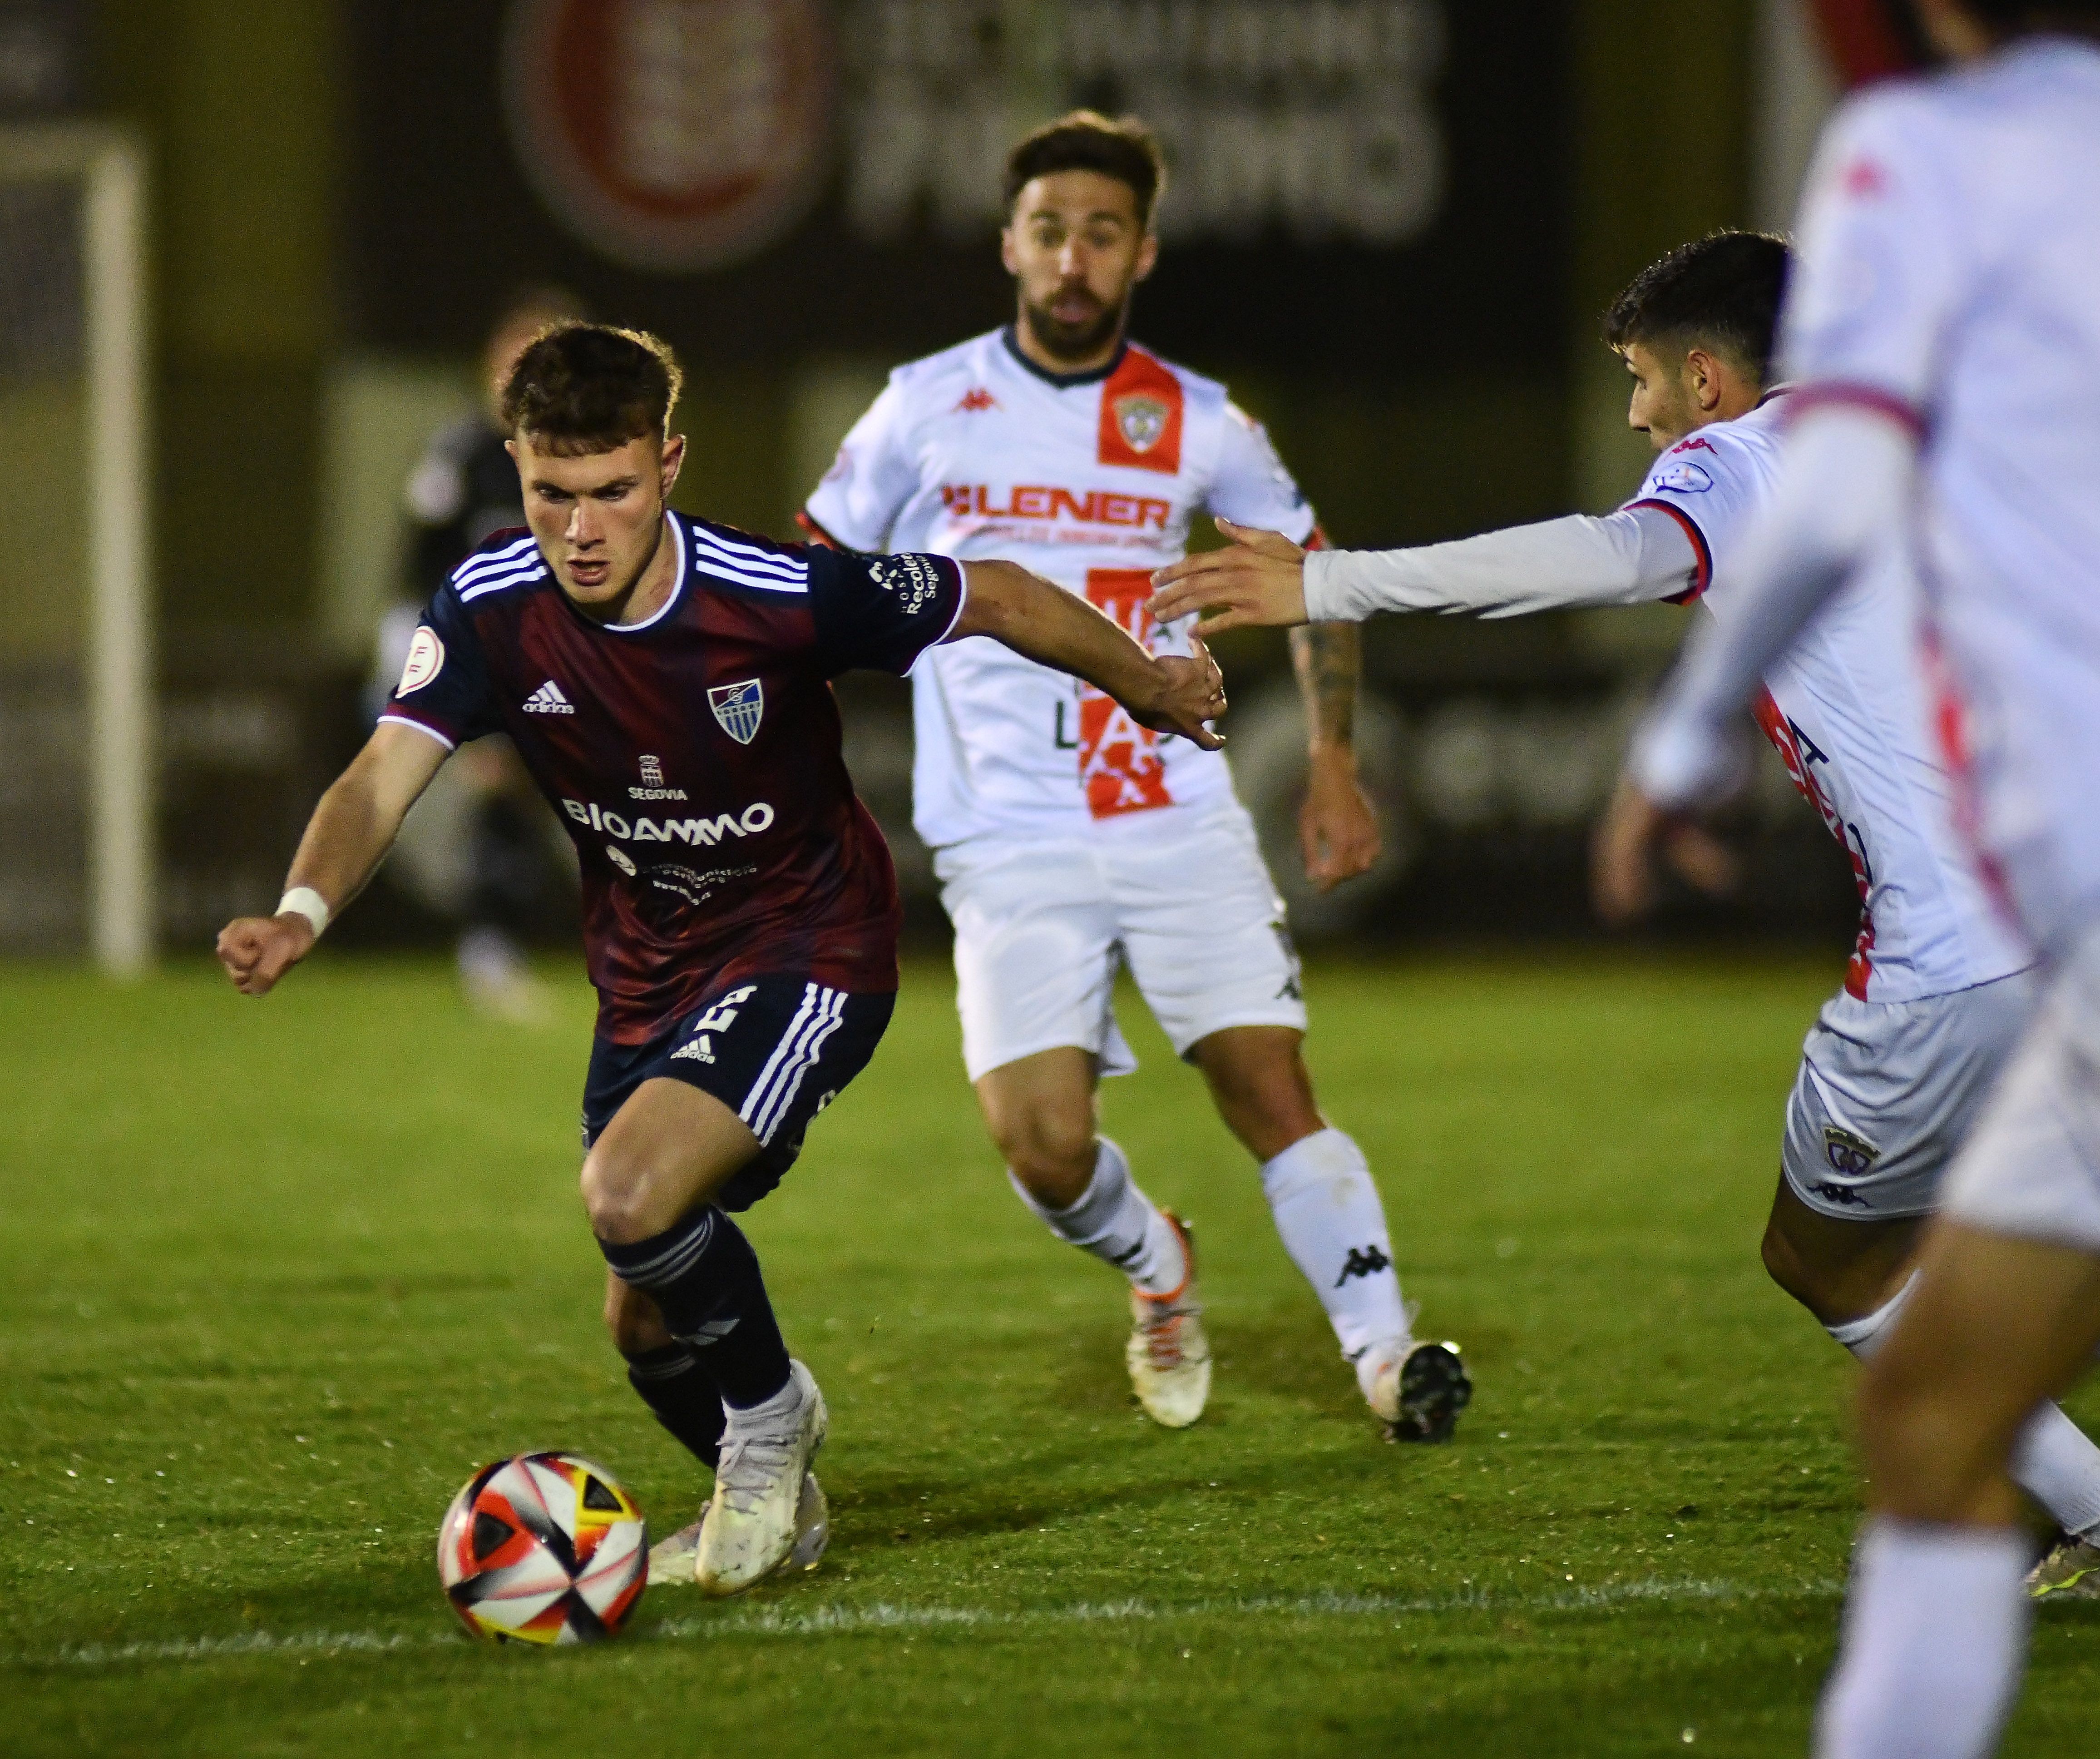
442, 222
1871, 39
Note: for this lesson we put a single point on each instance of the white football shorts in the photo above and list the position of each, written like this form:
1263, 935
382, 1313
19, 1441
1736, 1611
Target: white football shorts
2032, 1169
1888, 1091
1179, 896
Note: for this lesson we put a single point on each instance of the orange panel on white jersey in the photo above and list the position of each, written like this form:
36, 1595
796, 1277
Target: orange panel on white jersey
1092, 479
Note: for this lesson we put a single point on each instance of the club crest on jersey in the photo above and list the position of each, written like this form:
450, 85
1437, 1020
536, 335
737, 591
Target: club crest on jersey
426, 659
1141, 421
739, 708
1853, 1156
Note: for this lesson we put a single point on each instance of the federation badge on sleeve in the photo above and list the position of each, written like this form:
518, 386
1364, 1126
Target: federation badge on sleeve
1141, 420
426, 659
739, 708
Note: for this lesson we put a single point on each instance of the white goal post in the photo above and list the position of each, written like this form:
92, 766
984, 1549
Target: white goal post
108, 166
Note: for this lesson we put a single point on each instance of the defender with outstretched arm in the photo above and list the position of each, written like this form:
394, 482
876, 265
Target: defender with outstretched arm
1946, 340
1901, 1060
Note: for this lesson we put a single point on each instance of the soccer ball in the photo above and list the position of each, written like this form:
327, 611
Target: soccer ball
543, 1547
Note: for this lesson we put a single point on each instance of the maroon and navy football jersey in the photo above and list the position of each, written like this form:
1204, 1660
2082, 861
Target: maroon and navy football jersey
693, 757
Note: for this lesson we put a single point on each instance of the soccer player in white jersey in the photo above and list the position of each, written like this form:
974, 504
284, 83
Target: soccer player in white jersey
1946, 336
1935, 994
1067, 839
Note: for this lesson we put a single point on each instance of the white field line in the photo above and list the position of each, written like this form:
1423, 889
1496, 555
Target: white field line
832, 1620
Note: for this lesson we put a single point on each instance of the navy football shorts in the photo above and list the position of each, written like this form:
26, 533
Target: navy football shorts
776, 1050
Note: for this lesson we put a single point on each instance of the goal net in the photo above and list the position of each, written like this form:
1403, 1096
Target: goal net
76, 620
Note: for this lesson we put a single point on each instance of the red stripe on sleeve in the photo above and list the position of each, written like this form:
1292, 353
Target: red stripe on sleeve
1841, 394
1703, 576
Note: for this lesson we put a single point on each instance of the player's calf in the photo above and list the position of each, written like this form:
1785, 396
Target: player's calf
669, 1375
1856, 1276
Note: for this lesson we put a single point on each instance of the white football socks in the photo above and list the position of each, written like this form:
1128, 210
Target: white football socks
1118, 1223
1327, 1209
1935, 1634
2054, 1461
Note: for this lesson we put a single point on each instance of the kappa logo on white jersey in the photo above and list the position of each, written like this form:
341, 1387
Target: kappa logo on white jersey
1141, 421
549, 700
426, 659
739, 708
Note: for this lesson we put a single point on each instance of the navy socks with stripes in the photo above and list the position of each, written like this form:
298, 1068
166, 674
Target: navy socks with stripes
705, 1277
674, 1383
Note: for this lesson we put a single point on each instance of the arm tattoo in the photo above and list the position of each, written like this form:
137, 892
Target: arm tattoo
1328, 658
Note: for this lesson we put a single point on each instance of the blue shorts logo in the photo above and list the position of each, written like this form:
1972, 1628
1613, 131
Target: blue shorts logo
739, 708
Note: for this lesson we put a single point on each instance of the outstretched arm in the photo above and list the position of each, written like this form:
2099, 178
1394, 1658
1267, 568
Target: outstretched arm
1634, 556
1044, 623
1338, 827
347, 838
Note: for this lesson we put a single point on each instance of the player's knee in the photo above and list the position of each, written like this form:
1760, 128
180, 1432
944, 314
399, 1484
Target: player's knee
616, 1192
1052, 1151
1784, 1265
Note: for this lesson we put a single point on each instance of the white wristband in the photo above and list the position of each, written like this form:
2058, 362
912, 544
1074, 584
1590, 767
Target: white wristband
303, 900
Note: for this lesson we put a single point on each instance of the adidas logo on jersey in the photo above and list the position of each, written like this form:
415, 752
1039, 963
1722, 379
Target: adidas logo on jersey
549, 700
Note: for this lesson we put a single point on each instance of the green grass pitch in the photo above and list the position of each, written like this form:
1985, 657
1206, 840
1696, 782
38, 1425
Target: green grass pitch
275, 1276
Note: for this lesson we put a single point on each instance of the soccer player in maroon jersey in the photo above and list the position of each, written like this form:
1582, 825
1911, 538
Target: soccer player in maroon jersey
667, 682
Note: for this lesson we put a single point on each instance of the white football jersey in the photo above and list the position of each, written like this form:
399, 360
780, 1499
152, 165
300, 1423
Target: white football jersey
1951, 277
1849, 714
1091, 480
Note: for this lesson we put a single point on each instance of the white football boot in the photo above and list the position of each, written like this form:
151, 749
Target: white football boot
749, 1529
1418, 1389
673, 1560
1168, 1355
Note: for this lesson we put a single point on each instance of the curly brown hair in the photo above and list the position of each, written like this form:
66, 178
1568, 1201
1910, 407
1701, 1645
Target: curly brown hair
580, 388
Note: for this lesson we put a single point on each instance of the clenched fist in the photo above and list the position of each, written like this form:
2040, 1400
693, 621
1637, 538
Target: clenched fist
257, 950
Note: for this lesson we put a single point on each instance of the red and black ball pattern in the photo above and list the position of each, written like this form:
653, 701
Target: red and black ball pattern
543, 1547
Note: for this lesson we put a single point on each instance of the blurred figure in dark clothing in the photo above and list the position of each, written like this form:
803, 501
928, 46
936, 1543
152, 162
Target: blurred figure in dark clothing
484, 849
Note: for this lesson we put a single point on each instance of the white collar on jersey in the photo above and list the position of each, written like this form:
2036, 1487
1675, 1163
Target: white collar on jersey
1064, 380
677, 585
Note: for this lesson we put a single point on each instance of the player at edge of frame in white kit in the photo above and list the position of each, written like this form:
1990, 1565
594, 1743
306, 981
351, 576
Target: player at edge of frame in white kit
1947, 339
1068, 840
1901, 1060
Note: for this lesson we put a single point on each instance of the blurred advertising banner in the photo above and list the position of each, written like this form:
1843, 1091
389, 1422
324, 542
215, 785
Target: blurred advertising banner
778, 176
